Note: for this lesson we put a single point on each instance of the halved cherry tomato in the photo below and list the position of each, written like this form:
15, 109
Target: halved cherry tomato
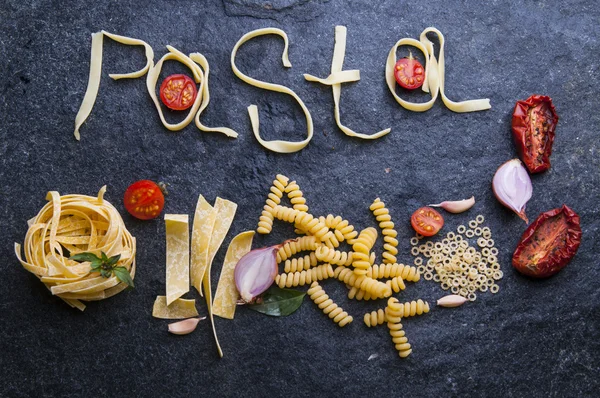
178, 92
548, 244
409, 73
533, 123
144, 200
427, 221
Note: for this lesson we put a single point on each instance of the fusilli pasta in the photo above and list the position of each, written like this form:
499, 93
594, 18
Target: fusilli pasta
302, 278
362, 247
382, 215
337, 314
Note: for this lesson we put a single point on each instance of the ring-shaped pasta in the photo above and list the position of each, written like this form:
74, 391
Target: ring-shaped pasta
419, 236
275, 145
428, 276
484, 288
430, 244
414, 251
414, 241
494, 288
479, 219
473, 224
493, 251
461, 229
472, 297
485, 252
469, 233
454, 289
421, 269
486, 235
491, 242
477, 231
445, 286
436, 278
418, 261
451, 235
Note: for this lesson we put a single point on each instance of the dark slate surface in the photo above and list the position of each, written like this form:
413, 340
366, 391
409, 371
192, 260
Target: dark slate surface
534, 338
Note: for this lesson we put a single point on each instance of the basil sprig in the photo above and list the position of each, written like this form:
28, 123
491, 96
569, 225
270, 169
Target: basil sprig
107, 266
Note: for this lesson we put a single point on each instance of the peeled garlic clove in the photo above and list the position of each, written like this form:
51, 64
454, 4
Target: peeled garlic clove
452, 300
456, 206
184, 327
255, 272
512, 187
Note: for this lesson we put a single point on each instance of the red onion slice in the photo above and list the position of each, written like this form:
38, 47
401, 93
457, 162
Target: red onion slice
512, 187
255, 272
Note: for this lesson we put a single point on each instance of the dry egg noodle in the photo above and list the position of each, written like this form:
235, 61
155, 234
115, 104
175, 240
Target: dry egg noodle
204, 222
178, 309
322, 236
226, 296
337, 77
72, 224
434, 76
96, 69
178, 256
275, 145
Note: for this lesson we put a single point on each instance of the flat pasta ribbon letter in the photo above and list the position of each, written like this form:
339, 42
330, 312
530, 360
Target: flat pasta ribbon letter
275, 145
338, 77
96, 69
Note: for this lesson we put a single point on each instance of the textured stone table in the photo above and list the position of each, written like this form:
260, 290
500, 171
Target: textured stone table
533, 338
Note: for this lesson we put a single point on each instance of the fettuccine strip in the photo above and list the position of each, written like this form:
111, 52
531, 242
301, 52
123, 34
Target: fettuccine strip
275, 145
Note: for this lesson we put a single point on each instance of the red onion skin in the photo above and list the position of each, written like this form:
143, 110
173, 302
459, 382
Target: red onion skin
251, 259
500, 195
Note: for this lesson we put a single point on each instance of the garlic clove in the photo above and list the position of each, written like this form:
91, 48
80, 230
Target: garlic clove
184, 327
512, 187
456, 206
452, 300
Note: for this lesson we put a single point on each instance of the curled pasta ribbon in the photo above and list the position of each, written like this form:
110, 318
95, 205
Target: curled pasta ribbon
362, 247
275, 145
152, 79
335, 313
79, 224
382, 215
301, 278
434, 76
407, 273
91, 93
372, 286
265, 222
338, 77
374, 318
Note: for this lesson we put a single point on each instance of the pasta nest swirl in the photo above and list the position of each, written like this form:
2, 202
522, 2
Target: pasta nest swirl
372, 286
362, 247
300, 263
382, 215
305, 277
335, 313
410, 274
291, 247
335, 257
374, 318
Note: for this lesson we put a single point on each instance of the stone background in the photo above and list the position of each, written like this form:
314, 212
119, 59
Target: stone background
533, 338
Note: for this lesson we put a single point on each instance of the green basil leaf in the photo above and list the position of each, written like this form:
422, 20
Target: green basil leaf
105, 273
113, 260
279, 302
95, 265
123, 275
83, 257
104, 258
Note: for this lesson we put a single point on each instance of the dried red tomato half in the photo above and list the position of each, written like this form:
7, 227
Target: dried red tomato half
533, 124
548, 244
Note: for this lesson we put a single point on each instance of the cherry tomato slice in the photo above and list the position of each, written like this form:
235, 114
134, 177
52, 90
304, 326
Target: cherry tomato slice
178, 92
427, 221
409, 73
533, 124
144, 200
548, 244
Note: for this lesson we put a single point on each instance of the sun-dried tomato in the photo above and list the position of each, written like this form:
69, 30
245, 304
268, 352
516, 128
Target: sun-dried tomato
549, 243
533, 124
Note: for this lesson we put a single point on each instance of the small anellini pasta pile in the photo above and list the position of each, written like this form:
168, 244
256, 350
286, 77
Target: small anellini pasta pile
73, 224
323, 259
456, 264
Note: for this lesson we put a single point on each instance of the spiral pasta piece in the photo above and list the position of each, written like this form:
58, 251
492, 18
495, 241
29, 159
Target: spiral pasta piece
300, 263
407, 273
337, 314
343, 230
291, 247
312, 226
296, 197
358, 294
284, 213
399, 339
396, 284
362, 248
374, 318
335, 257
293, 279
374, 287
265, 222
404, 310
382, 215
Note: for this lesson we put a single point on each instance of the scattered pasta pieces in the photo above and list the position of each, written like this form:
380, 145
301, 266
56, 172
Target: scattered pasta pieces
434, 76
74, 224
457, 264
323, 259
275, 145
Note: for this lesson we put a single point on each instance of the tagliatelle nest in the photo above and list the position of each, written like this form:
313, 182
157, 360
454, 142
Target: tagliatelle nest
73, 224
